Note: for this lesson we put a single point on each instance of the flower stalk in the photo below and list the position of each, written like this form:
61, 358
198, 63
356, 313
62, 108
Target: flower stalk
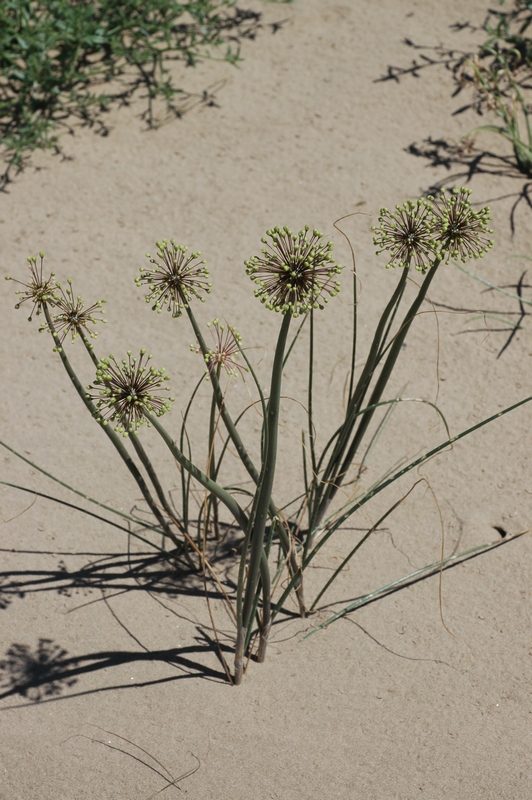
116, 441
262, 501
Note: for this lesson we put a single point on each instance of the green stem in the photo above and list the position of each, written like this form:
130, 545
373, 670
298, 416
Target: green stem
266, 621
143, 456
117, 442
218, 394
330, 474
185, 476
211, 486
247, 462
310, 408
386, 371
354, 335
211, 465
265, 485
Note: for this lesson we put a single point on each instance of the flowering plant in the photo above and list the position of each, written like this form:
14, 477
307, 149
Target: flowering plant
295, 275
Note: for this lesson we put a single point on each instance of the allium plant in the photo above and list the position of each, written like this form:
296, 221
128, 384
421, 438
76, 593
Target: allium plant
295, 275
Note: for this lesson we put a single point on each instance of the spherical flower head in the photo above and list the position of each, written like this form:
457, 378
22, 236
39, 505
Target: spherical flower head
176, 279
227, 345
72, 317
460, 232
39, 290
128, 390
406, 234
295, 274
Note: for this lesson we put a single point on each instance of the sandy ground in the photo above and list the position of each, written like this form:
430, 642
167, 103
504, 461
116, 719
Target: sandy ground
388, 702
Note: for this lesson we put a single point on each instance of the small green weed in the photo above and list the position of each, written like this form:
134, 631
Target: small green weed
501, 73
68, 59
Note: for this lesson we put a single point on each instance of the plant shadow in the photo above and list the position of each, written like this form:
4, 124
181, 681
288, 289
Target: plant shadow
45, 671
510, 327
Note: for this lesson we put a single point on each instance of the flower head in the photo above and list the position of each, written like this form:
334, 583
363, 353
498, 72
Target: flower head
460, 232
295, 273
39, 290
128, 390
72, 317
176, 280
406, 234
227, 343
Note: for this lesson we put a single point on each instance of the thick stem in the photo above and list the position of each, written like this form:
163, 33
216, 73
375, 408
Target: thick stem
239, 656
300, 594
266, 621
265, 485
263, 640
255, 533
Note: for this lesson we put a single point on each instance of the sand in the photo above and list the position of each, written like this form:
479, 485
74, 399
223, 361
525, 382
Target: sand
407, 697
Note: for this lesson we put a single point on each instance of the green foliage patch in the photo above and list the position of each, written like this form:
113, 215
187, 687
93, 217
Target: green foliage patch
59, 57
